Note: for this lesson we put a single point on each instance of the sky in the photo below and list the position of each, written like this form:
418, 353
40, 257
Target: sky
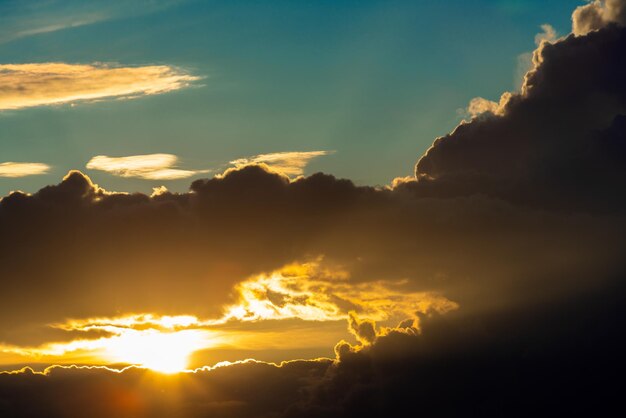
372, 81
312, 209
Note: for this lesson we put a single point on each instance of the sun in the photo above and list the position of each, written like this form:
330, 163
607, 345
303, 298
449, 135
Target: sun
164, 352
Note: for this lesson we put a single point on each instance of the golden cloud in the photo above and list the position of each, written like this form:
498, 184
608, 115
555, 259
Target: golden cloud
307, 299
288, 163
53, 83
148, 166
13, 169
312, 293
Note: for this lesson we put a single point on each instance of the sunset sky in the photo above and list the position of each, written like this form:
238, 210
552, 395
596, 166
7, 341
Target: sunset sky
312, 208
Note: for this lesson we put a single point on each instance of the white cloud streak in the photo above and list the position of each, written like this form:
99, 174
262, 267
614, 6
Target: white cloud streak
148, 166
20, 19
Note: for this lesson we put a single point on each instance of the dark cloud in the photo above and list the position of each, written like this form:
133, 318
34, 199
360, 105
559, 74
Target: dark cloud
250, 389
74, 250
563, 359
559, 143
363, 330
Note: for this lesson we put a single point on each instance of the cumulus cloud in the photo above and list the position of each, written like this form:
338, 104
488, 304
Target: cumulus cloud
287, 163
597, 15
13, 169
148, 166
53, 83
525, 60
557, 143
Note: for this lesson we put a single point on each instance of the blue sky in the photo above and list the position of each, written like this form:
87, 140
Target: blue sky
373, 81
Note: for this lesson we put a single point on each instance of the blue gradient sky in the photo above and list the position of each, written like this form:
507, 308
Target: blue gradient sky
375, 81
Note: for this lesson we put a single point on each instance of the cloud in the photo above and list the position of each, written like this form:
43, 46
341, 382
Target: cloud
478, 105
304, 292
525, 60
548, 34
45, 84
230, 390
317, 292
557, 143
452, 365
13, 169
287, 163
19, 20
191, 249
148, 166
363, 330
597, 15
515, 365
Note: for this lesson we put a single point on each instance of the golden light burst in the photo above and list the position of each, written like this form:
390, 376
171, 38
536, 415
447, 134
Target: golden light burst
165, 352
160, 343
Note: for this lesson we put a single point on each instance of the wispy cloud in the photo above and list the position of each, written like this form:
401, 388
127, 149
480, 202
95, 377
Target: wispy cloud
19, 19
51, 83
288, 163
148, 166
13, 169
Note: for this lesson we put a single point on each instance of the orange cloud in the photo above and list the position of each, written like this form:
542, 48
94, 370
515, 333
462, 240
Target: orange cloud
53, 83
13, 169
313, 293
148, 166
287, 163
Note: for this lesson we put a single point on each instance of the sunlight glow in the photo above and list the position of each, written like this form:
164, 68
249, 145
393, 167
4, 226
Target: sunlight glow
165, 352
160, 343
